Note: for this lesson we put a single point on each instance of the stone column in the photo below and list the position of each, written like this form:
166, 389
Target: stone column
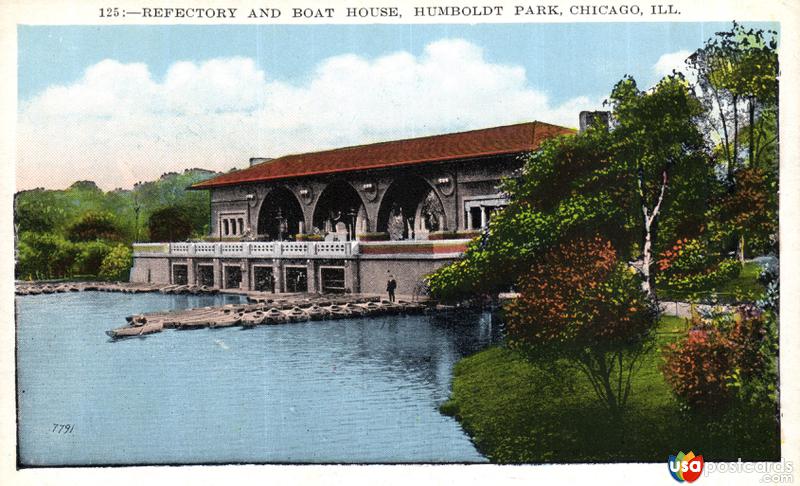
191, 279
469, 218
245, 283
277, 273
311, 274
483, 217
218, 283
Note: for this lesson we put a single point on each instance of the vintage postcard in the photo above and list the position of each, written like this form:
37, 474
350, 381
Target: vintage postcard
410, 241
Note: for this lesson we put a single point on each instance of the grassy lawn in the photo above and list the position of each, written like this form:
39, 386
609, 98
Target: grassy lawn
517, 412
745, 287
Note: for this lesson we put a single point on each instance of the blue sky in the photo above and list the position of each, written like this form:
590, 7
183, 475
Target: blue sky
147, 99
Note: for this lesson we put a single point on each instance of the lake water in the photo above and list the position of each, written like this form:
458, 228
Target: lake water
347, 391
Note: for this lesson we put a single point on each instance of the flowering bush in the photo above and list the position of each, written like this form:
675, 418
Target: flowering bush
712, 366
581, 303
688, 266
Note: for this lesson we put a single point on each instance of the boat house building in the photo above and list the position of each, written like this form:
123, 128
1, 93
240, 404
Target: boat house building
343, 220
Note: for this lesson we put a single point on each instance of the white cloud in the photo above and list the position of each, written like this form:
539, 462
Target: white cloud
671, 61
117, 125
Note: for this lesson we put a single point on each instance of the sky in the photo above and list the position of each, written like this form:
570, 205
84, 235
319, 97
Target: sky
122, 104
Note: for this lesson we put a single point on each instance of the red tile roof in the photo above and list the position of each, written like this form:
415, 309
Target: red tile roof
510, 139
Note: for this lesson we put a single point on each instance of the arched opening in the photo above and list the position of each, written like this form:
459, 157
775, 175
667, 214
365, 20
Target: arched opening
411, 209
340, 212
280, 217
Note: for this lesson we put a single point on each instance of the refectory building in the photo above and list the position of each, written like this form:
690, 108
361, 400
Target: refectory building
343, 220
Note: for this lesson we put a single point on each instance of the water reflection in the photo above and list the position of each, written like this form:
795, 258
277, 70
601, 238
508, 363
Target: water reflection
358, 390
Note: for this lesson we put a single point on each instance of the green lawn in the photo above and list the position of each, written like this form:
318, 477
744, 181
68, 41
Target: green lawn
745, 287
517, 412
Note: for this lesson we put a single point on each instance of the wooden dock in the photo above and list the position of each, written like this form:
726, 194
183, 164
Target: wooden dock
265, 311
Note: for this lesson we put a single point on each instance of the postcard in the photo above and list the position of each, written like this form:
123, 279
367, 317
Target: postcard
399, 241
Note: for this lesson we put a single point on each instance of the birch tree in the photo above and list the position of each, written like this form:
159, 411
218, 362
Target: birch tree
656, 138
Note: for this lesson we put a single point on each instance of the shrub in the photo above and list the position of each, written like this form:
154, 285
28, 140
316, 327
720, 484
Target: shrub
94, 225
688, 266
45, 255
581, 303
91, 257
731, 359
309, 237
117, 263
170, 223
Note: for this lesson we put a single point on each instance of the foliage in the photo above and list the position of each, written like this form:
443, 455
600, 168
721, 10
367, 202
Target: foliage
93, 225
117, 263
569, 188
42, 255
737, 82
748, 210
658, 142
732, 357
648, 173
516, 412
90, 257
308, 237
46, 220
736, 73
770, 278
689, 266
580, 303
170, 223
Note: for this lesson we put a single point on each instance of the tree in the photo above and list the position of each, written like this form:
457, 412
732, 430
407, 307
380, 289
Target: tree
170, 223
91, 256
571, 187
656, 138
94, 225
117, 263
580, 303
45, 255
736, 76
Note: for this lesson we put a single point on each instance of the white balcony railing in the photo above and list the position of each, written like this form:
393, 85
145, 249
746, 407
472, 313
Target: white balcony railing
253, 249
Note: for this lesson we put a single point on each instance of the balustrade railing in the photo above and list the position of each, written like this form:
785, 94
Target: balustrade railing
267, 249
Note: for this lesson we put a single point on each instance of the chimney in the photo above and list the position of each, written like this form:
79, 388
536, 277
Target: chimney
259, 160
587, 119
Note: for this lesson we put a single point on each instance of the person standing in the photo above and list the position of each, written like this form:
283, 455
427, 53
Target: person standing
391, 285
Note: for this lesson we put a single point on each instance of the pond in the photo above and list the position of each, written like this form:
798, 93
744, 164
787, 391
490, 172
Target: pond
346, 391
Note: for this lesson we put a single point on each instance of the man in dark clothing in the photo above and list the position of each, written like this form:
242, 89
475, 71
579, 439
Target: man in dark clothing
390, 286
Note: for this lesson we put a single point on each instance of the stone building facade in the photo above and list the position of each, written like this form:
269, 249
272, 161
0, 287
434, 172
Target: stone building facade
344, 220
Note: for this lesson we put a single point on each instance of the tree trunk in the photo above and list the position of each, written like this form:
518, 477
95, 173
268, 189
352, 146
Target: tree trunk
647, 260
752, 144
647, 246
732, 168
740, 249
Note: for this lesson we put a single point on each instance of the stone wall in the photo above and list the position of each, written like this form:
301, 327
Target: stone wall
150, 270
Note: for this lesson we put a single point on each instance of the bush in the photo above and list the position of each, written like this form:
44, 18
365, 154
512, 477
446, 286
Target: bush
171, 223
688, 267
45, 255
117, 263
91, 257
582, 304
94, 225
309, 237
733, 358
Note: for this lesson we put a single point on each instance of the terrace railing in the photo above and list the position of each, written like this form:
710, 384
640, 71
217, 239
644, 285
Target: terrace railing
255, 249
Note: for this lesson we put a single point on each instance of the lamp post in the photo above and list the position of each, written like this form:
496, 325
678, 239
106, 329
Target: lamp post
136, 209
